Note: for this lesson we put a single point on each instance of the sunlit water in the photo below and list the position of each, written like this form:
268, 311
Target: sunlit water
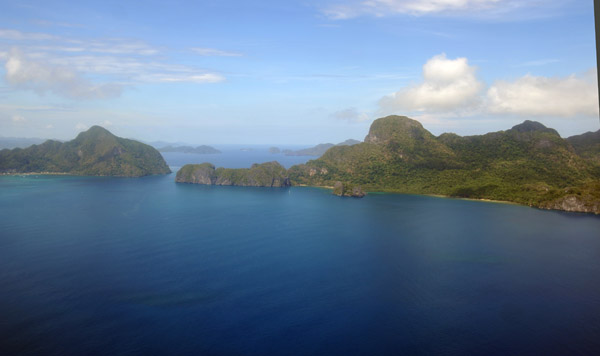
115, 266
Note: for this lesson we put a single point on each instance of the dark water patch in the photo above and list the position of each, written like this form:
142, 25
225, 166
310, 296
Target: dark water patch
147, 266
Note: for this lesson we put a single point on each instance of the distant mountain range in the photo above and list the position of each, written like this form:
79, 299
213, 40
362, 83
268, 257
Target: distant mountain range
203, 149
95, 152
319, 149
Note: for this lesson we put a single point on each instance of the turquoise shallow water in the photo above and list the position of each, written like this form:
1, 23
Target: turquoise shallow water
146, 266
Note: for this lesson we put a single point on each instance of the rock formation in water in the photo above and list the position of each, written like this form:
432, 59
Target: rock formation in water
270, 174
348, 190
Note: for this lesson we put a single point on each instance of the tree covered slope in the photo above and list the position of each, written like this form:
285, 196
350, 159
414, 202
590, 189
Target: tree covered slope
95, 152
528, 164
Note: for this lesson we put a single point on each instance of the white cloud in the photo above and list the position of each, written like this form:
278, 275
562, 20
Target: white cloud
448, 84
532, 95
24, 73
47, 59
214, 52
116, 46
57, 43
538, 62
350, 115
15, 35
18, 118
450, 88
81, 127
132, 70
106, 123
182, 78
49, 126
381, 8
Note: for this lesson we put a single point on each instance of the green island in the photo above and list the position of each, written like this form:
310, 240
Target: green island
95, 152
270, 174
529, 164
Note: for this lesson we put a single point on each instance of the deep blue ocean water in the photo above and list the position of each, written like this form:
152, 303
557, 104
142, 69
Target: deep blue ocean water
118, 266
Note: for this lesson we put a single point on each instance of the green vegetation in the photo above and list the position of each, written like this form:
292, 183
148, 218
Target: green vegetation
96, 152
587, 145
528, 164
319, 149
270, 174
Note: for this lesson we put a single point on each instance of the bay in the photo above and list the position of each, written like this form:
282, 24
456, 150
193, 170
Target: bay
98, 266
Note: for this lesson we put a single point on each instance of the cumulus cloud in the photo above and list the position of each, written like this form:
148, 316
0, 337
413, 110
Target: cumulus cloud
24, 73
532, 95
350, 115
214, 52
448, 84
382, 8
81, 127
451, 87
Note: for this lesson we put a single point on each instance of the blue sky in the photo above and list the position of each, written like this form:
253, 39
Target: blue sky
293, 72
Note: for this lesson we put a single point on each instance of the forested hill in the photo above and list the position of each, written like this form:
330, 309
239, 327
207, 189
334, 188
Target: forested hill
528, 164
95, 152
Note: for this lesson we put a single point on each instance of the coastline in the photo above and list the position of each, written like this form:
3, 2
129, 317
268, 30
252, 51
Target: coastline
36, 174
459, 198
331, 189
75, 174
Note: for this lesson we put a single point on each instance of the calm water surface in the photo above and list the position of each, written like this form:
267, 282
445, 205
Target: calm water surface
112, 266
237, 156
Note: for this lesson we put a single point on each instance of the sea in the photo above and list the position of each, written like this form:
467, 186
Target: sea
147, 266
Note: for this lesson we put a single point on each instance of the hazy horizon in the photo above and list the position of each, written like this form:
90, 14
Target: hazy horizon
301, 72
240, 144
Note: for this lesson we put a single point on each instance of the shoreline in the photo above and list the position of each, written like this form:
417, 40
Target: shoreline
75, 175
36, 174
460, 198
331, 188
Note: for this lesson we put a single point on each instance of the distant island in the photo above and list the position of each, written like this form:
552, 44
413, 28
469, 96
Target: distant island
203, 149
319, 149
274, 150
270, 174
95, 152
529, 164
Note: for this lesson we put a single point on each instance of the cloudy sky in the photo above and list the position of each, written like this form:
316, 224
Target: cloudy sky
295, 72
